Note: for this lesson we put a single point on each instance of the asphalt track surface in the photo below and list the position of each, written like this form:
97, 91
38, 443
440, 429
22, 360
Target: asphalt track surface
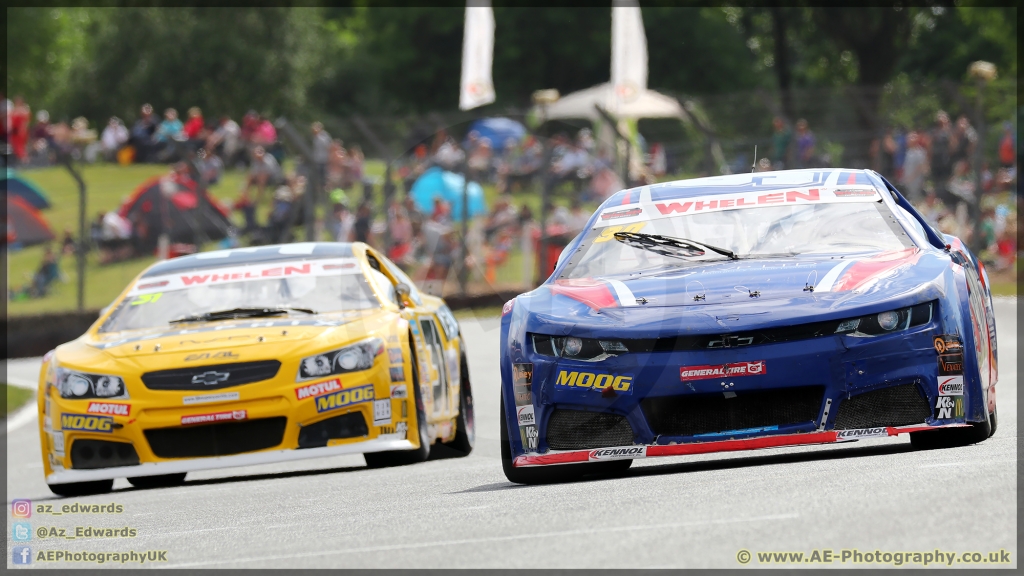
694, 511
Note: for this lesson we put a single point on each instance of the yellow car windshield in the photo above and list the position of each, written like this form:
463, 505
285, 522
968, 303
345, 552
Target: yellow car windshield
324, 293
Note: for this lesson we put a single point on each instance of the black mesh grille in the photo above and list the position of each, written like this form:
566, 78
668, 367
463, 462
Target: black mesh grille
893, 406
211, 377
579, 430
88, 454
693, 414
216, 439
348, 425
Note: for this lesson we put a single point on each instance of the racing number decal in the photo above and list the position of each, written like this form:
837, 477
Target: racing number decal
147, 298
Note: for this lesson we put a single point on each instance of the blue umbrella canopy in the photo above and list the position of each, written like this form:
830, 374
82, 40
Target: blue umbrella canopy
498, 130
15, 185
436, 183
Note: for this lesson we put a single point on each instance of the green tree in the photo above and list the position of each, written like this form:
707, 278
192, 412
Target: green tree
41, 45
222, 60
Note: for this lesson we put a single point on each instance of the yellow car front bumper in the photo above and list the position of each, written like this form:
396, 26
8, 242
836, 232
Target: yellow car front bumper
278, 420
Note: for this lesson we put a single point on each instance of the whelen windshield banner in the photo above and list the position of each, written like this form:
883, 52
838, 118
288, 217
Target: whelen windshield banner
262, 271
651, 210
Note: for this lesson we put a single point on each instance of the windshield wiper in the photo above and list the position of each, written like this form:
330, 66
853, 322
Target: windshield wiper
670, 246
235, 313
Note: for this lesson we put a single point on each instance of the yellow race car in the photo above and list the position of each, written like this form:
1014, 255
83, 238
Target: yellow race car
250, 356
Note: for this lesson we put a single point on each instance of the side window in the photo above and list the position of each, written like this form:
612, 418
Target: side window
402, 277
448, 322
913, 223
385, 286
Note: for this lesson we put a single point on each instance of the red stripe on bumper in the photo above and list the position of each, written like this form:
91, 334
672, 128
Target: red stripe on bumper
828, 437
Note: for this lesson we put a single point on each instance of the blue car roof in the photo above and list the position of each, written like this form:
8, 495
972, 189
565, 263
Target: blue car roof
732, 183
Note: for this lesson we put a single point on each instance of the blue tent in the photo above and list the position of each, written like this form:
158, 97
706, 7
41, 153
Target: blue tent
14, 185
436, 183
498, 130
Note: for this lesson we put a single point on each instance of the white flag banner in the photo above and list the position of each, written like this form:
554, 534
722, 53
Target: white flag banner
629, 53
476, 87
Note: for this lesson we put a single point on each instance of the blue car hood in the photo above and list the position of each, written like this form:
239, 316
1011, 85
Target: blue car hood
734, 295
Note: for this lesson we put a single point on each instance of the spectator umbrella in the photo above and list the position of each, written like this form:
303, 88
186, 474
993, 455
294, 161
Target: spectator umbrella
498, 130
436, 183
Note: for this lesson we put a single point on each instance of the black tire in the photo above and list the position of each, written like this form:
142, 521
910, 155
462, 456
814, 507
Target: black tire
161, 481
405, 457
82, 488
952, 437
551, 474
465, 433
994, 419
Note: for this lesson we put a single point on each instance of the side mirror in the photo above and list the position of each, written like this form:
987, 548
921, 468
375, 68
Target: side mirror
402, 290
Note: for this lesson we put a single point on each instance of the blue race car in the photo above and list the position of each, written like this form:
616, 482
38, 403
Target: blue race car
746, 311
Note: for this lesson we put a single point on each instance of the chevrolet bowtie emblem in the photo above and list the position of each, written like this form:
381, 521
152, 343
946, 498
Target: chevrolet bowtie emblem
210, 378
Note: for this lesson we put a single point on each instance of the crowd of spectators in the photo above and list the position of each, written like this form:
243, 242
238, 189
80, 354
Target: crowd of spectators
934, 167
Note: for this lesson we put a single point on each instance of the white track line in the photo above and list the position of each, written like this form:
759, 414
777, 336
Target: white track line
22, 417
21, 382
484, 540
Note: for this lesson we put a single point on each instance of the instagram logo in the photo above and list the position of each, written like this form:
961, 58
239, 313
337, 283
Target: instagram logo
21, 508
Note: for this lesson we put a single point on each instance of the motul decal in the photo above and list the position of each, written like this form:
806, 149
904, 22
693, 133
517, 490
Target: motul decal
109, 408
318, 389
758, 368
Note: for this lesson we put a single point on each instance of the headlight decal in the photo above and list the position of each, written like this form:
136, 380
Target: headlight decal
888, 322
582, 349
81, 385
354, 358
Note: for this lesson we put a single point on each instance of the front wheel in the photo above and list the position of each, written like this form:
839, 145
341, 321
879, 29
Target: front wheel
551, 474
82, 488
952, 437
404, 457
465, 433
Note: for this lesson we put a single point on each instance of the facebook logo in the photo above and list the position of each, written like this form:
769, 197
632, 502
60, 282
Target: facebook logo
21, 555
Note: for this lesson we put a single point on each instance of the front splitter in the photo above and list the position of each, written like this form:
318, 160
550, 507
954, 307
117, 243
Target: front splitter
639, 451
233, 461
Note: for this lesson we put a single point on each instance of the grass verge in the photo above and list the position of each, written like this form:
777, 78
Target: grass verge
17, 397
1004, 288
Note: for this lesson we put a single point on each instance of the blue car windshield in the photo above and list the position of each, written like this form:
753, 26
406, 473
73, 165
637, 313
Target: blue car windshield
784, 230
